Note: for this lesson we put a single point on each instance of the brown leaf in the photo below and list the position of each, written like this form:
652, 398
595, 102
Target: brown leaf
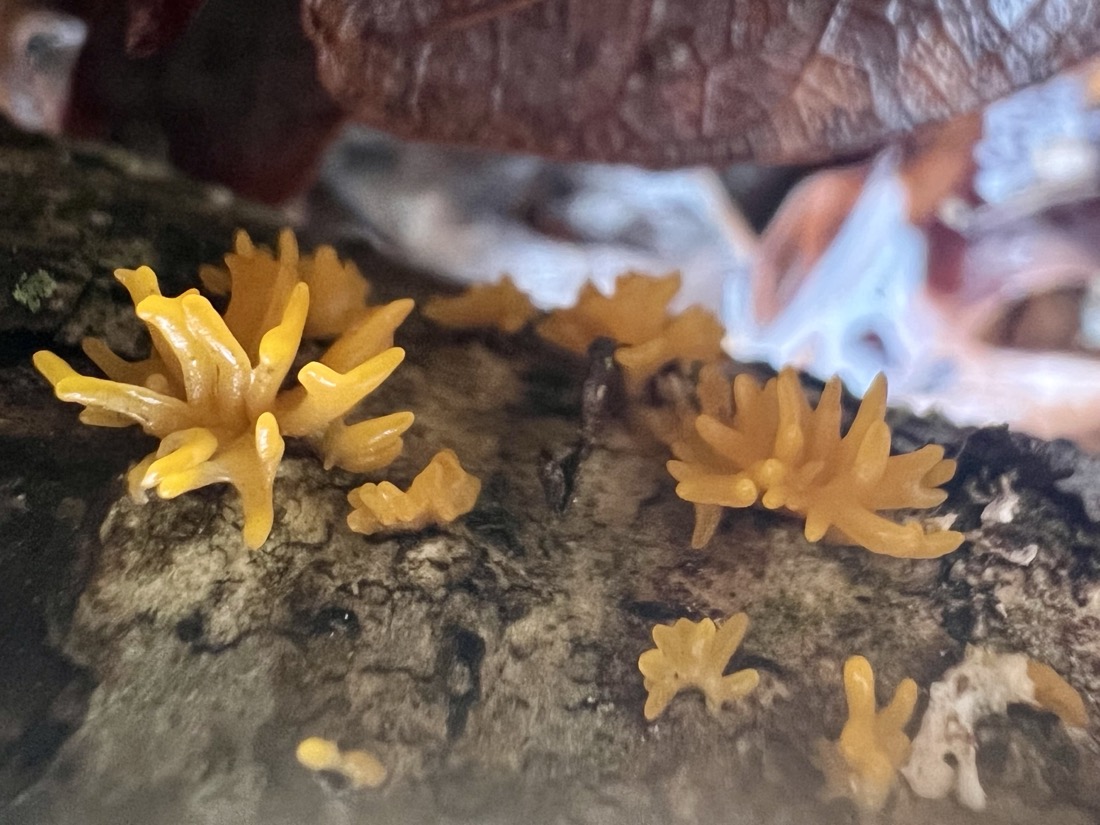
684, 81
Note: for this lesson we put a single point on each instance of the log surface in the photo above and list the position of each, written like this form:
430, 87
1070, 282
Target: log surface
155, 671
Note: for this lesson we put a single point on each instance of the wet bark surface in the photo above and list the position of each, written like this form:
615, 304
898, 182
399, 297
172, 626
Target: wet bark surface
155, 671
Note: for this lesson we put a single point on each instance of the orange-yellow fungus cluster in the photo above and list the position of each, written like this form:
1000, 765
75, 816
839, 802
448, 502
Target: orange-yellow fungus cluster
361, 769
498, 306
767, 444
258, 280
636, 317
211, 389
694, 655
863, 764
442, 492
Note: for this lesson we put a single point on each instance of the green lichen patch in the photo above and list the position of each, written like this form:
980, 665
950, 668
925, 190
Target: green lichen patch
34, 288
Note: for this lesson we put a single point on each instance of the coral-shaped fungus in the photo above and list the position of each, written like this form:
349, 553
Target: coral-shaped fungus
499, 306
337, 290
863, 764
439, 494
767, 444
694, 655
636, 317
361, 769
210, 390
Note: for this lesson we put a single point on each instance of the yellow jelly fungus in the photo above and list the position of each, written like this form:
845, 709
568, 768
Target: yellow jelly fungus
1055, 694
219, 410
694, 655
361, 769
675, 425
636, 317
498, 306
258, 280
863, 764
442, 492
773, 448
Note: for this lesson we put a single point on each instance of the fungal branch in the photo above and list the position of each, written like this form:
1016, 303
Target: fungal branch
863, 764
767, 444
636, 317
211, 390
442, 492
499, 306
694, 655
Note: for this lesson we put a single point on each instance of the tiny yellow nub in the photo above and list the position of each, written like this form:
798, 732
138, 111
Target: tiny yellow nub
360, 768
363, 770
318, 754
52, 367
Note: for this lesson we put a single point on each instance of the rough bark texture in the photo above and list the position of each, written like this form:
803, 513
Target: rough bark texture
161, 673
685, 81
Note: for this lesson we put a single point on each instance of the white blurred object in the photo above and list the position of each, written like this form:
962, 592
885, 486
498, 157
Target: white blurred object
38, 53
1015, 340
984, 684
1041, 136
1051, 392
469, 217
860, 310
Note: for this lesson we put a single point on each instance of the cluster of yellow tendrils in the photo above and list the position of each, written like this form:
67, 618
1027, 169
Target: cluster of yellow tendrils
694, 655
498, 306
211, 389
863, 764
767, 444
442, 492
636, 317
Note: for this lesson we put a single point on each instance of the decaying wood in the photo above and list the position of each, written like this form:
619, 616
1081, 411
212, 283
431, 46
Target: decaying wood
161, 673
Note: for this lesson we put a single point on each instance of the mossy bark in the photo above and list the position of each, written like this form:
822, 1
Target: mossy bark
162, 673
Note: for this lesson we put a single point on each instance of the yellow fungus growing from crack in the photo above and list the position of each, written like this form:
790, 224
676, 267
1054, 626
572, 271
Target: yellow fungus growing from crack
767, 444
636, 316
211, 389
694, 655
361, 769
442, 492
498, 306
863, 764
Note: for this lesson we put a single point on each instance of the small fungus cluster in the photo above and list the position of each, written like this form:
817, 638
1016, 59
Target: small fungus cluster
863, 764
212, 388
359, 768
497, 306
442, 492
694, 655
767, 444
636, 317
